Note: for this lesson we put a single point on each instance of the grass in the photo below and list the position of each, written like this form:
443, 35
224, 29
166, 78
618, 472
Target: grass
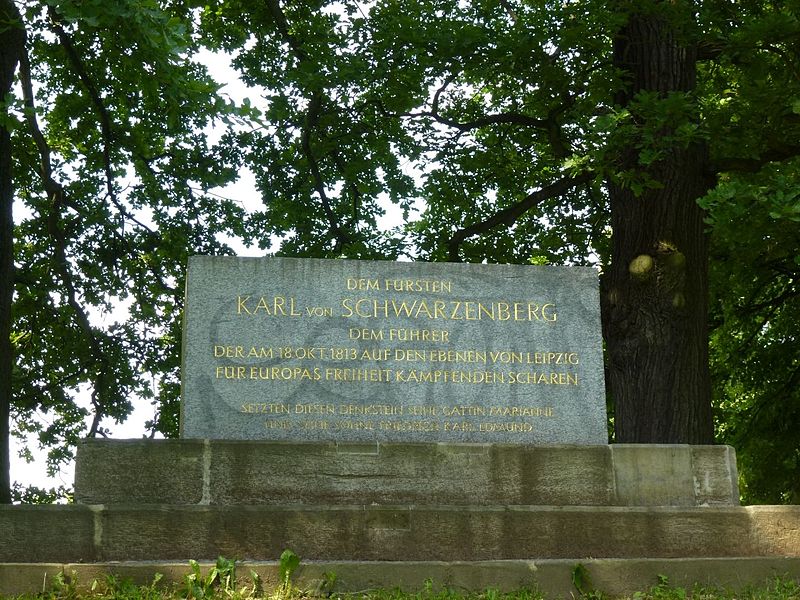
220, 583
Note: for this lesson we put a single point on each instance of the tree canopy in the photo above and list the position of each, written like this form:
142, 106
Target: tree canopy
111, 164
651, 139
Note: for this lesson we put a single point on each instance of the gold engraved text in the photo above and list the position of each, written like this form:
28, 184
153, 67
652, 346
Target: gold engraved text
454, 310
275, 306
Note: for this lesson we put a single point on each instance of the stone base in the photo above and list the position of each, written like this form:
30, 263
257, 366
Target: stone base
233, 473
383, 515
76, 533
614, 577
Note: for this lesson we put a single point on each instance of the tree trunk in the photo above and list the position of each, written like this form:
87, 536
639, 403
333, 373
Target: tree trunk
12, 40
656, 293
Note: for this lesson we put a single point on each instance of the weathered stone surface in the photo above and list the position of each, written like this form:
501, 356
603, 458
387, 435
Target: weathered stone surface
139, 469
715, 479
239, 472
776, 527
398, 533
47, 533
551, 577
643, 472
413, 473
317, 350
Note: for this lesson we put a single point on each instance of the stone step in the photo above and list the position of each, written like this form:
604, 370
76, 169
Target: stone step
93, 533
204, 472
553, 578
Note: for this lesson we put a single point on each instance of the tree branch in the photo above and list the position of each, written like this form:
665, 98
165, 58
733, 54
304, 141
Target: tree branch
311, 118
510, 10
753, 165
97, 102
513, 118
550, 125
275, 10
106, 133
709, 50
509, 215
102, 112
58, 199
438, 94
789, 292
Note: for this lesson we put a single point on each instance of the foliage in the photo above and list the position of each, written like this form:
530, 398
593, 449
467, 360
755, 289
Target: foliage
582, 580
222, 576
113, 166
288, 563
511, 116
114, 588
756, 355
753, 215
502, 131
367, 94
36, 495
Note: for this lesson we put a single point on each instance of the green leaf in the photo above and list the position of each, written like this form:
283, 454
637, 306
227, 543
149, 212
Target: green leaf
289, 561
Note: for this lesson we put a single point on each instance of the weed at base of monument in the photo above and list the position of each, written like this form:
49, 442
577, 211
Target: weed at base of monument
62, 586
327, 584
287, 564
583, 583
220, 577
663, 591
125, 588
65, 586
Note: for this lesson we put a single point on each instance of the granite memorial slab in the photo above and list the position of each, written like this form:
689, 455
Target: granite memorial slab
357, 351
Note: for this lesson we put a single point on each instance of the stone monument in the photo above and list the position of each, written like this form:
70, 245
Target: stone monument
312, 350
393, 422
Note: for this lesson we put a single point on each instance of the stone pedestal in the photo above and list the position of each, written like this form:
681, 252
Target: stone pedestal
231, 473
464, 513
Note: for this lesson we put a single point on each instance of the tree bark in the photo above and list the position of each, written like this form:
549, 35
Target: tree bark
12, 44
655, 296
